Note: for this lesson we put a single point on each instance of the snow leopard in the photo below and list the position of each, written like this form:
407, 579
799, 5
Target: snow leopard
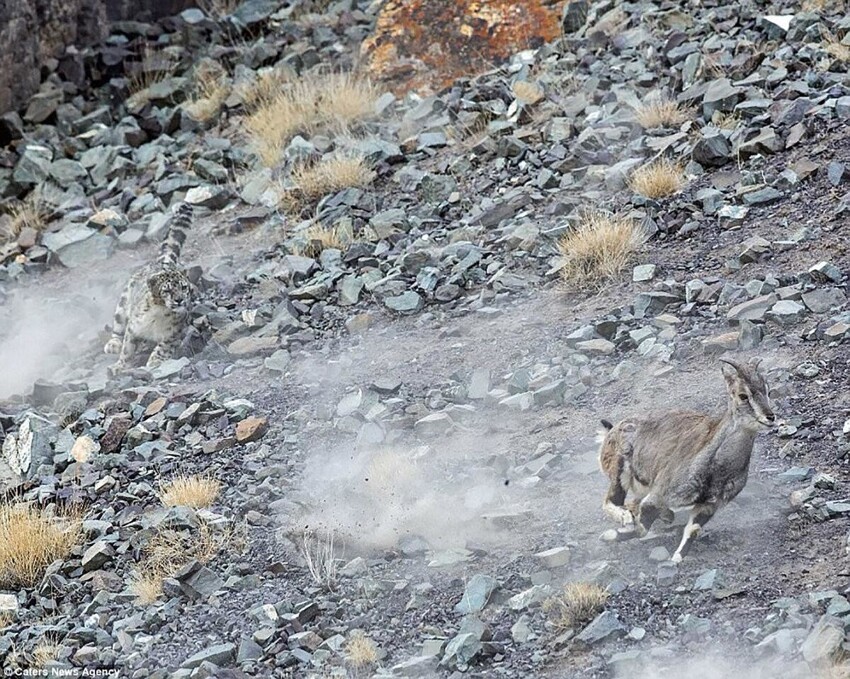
156, 302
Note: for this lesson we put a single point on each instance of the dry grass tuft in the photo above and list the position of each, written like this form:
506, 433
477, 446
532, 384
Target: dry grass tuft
337, 172
31, 540
167, 551
211, 89
599, 248
285, 107
527, 92
576, 604
818, 5
319, 237
218, 9
660, 113
30, 213
197, 492
835, 48
360, 651
318, 552
6, 619
725, 121
154, 66
45, 652
147, 584
659, 179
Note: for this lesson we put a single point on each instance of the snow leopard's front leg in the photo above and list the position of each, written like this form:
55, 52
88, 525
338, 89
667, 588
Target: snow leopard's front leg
163, 351
119, 325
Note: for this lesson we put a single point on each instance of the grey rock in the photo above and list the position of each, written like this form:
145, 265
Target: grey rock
786, 312
720, 96
406, 302
755, 248
750, 335
43, 105
574, 16
418, 666
434, 425
652, 303
34, 166
30, 447
605, 625
349, 290
824, 641
596, 346
796, 474
659, 554
170, 367
96, 556
279, 361
666, 573
202, 584
706, 581
461, 650
732, 215
643, 272
67, 172
822, 300
476, 594
836, 173
763, 196
479, 384
554, 558
249, 650
752, 310
219, 654
826, 272
712, 150
521, 631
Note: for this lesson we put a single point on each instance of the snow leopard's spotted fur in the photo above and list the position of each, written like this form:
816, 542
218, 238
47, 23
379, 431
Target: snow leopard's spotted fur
156, 302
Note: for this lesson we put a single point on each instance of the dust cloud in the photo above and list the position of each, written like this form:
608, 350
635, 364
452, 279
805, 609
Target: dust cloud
377, 498
45, 328
721, 665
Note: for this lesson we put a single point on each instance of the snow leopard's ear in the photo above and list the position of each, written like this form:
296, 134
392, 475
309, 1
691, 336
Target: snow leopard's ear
155, 285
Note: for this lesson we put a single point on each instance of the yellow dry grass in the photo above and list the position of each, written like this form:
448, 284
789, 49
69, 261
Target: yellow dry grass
660, 113
337, 172
317, 550
360, 651
527, 92
577, 603
284, 107
218, 9
598, 249
45, 652
197, 492
6, 619
822, 5
835, 48
167, 551
659, 179
30, 213
211, 89
154, 66
30, 540
725, 121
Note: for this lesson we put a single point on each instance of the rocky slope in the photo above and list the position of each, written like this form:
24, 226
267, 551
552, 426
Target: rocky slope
424, 389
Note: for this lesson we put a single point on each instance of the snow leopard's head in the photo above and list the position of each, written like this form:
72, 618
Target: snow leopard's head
171, 290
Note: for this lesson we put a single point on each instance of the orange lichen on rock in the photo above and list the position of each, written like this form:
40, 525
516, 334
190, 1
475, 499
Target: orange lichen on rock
426, 44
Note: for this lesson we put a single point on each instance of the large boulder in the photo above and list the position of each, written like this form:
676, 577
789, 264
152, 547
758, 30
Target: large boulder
34, 31
426, 44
